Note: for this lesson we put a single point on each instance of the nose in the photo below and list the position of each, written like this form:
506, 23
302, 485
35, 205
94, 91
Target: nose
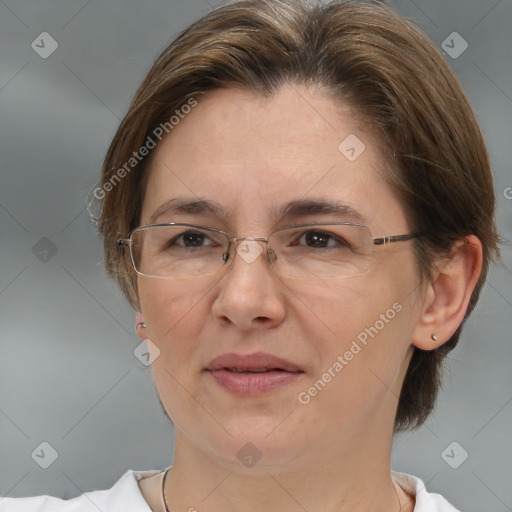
250, 295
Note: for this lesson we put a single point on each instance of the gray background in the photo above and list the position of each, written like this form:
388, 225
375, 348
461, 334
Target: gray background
68, 375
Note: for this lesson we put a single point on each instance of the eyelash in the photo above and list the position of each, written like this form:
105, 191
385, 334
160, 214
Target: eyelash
301, 234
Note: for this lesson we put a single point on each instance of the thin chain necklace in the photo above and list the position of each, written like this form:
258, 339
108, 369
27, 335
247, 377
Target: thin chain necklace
397, 497
164, 498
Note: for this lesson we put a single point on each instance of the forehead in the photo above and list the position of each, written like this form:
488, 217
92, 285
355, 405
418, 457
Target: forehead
250, 155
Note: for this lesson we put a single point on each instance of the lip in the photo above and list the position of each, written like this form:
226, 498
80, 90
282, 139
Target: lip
241, 374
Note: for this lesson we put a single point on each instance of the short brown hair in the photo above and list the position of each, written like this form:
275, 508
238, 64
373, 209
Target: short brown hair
366, 56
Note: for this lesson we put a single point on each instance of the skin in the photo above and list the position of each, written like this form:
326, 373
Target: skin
251, 155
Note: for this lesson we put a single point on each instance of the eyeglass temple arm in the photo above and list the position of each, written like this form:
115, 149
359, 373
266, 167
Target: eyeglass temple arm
396, 238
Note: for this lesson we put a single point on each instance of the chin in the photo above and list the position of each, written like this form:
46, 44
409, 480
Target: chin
258, 444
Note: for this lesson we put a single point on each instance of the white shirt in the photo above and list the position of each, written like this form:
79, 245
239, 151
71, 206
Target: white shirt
125, 496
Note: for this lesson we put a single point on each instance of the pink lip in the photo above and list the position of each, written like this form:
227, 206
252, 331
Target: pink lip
233, 373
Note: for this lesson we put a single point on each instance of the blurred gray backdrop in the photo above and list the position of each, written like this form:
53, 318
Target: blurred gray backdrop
68, 374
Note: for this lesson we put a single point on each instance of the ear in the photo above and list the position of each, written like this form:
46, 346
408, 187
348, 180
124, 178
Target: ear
448, 294
140, 330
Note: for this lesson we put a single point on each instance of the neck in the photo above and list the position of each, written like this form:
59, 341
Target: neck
351, 479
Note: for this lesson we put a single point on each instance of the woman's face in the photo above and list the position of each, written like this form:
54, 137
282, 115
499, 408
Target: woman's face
350, 336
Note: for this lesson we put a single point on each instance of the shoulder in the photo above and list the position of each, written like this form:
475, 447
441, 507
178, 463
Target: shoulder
425, 501
124, 496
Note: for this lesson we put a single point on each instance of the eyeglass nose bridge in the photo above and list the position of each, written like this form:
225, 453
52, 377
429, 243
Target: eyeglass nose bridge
250, 251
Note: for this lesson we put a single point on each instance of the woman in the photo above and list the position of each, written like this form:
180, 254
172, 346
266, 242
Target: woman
299, 207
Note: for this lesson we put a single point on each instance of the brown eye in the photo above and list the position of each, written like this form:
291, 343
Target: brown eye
320, 240
191, 239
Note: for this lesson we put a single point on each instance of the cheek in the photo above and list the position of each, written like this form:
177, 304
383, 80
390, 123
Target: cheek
174, 313
166, 303
360, 359
361, 329
338, 312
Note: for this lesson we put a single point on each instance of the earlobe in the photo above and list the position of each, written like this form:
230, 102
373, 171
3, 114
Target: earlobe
448, 294
140, 325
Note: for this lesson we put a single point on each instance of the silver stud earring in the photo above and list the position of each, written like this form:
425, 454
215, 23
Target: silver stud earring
139, 325
434, 337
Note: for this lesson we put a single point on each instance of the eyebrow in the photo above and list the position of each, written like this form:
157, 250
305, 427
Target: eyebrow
179, 205
304, 207
290, 210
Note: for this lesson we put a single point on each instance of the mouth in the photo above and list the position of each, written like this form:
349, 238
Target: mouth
253, 374
258, 362
254, 370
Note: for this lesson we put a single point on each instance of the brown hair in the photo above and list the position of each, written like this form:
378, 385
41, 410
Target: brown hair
368, 57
